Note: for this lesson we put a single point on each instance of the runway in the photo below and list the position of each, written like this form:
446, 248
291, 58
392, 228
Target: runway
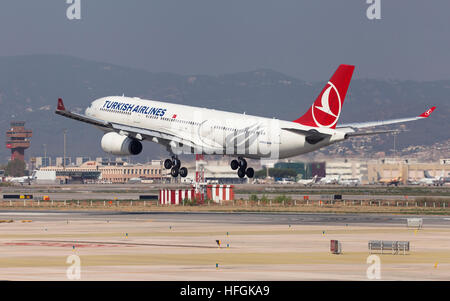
183, 246
230, 217
242, 191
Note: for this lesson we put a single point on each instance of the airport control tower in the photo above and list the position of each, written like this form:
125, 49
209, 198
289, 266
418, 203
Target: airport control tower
18, 139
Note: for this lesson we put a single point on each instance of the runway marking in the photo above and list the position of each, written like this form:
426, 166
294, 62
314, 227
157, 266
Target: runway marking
174, 233
60, 244
95, 244
32, 213
228, 259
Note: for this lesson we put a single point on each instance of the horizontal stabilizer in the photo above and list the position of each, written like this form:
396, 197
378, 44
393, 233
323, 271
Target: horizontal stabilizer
354, 134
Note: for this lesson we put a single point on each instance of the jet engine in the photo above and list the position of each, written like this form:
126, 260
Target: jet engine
117, 144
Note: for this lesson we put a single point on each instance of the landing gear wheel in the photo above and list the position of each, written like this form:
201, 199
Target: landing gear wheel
183, 172
242, 163
168, 164
174, 172
176, 163
234, 164
241, 173
250, 172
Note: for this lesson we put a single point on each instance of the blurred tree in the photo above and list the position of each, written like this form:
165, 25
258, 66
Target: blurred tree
15, 168
276, 173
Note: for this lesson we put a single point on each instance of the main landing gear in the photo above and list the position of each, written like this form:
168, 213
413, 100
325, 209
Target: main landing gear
174, 165
241, 165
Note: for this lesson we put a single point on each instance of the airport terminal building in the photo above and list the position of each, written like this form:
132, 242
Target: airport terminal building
121, 172
372, 171
408, 170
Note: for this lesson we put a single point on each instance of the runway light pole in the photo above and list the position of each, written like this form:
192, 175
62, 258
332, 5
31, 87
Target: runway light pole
64, 156
45, 155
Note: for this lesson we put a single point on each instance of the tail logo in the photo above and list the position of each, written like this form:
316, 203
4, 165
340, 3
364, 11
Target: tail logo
329, 108
428, 112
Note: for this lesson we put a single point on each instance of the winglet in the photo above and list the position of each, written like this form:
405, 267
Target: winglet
427, 113
60, 106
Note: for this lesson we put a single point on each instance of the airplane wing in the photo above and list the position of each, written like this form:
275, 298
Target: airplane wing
351, 129
354, 134
359, 125
61, 110
130, 131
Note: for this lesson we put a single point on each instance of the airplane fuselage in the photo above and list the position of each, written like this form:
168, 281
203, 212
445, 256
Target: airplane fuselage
211, 131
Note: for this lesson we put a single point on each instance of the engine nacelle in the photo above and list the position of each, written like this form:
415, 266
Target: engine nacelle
338, 136
117, 144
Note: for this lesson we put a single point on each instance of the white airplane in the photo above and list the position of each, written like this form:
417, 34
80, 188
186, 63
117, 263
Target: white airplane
428, 180
349, 182
308, 182
329, 180
192, 130
413, 182
286, 181
20, 180
134, 180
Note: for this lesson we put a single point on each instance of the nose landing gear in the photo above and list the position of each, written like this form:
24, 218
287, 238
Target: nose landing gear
174, 165
241, 165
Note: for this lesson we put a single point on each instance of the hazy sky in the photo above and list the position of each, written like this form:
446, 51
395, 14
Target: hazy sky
307, 39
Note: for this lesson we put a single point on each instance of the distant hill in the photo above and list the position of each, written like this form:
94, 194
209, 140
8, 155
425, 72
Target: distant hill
30, 86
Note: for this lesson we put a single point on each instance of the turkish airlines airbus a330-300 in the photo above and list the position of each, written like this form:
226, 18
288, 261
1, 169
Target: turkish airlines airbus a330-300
191, 130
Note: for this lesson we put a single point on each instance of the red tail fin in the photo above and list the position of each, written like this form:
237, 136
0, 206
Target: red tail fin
427, 112
60, 106
326, 109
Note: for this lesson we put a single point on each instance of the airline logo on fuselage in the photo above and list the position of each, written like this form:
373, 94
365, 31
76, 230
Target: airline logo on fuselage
127, 107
